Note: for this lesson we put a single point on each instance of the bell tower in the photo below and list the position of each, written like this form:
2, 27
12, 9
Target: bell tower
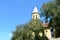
35, 14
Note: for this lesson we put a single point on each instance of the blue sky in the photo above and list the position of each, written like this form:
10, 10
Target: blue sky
15, 12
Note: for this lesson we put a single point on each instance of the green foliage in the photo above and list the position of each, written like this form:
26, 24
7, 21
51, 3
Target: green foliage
25, 32
36, 25
52, 10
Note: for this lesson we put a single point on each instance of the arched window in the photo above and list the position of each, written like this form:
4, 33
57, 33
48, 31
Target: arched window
52, 32
33, 16
36, 16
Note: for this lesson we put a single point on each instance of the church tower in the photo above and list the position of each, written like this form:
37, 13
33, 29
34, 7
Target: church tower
35, 14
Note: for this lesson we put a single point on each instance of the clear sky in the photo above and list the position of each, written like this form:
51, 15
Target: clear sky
15, 12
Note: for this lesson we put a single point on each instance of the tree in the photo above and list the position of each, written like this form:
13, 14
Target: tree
25, 32
36, 27
52, 10
46, 10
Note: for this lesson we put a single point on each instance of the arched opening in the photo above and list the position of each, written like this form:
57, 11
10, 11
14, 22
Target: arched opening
36, 16
52, 32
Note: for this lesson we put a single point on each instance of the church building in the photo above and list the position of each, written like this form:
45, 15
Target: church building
36, 15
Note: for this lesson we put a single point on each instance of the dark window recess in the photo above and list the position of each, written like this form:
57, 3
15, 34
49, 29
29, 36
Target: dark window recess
33, 16
46, 31
52, 32
51, 29
36, 16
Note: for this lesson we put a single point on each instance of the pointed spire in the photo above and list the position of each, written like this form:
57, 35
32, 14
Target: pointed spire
35, 10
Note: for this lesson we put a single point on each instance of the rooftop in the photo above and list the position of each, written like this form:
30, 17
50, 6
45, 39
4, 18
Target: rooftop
35, 10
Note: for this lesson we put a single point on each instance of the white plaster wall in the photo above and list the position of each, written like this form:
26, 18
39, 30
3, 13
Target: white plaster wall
48, 33
38, 16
